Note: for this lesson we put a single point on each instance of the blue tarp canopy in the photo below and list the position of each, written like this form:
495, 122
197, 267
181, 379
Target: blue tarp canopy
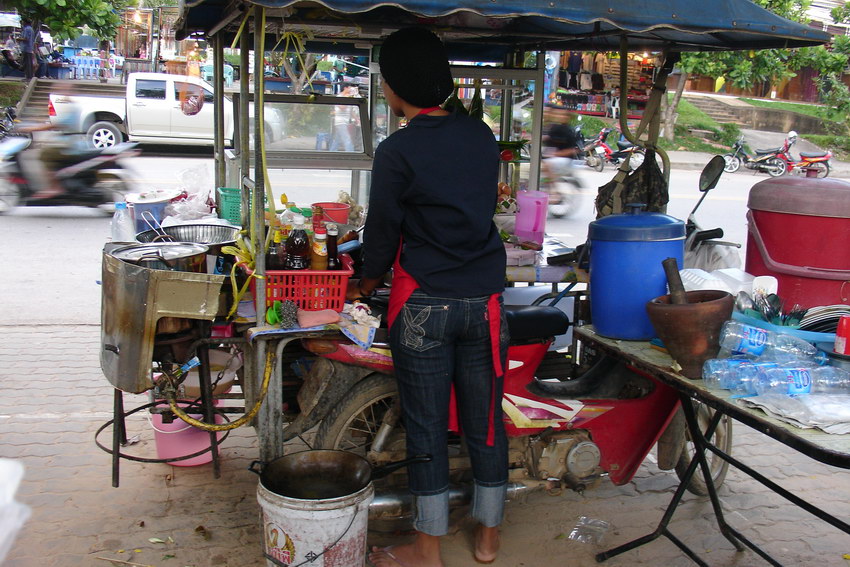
496, 27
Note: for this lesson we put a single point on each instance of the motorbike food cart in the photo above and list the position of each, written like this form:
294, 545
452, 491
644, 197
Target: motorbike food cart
498, 32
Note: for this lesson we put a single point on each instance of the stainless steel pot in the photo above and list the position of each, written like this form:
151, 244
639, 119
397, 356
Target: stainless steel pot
319, 474
174, 256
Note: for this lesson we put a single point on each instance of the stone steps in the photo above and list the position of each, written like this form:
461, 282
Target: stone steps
36, 107
716, 109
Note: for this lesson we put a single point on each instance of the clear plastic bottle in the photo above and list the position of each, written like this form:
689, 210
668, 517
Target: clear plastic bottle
298, 246
740, 338
791, 380
714, 369
830, 380
122, 228
739, 376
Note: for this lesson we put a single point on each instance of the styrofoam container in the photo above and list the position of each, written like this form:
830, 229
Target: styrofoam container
695, 279
736, 278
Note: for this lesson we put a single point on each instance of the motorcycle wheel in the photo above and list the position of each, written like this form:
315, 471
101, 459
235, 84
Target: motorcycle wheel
113, 189
103, 135
776, 167
594, 161
822, 168
353, 423
733, 163
10, 195
638, 156
569, 193
722, 439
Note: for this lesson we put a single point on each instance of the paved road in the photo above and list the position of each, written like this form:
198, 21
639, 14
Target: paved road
55, 398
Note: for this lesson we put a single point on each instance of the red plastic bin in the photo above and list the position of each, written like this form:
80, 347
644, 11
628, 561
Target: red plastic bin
311, 290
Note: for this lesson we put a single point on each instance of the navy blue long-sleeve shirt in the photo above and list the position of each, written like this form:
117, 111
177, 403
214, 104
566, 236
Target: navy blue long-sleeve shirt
434, 185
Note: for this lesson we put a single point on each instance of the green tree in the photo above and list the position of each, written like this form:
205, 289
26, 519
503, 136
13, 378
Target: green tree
747, 69
65, 18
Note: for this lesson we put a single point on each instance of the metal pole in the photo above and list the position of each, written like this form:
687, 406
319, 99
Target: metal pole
537, 122
259, 192
218, 115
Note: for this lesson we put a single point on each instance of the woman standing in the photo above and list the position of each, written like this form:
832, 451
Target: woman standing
431, 205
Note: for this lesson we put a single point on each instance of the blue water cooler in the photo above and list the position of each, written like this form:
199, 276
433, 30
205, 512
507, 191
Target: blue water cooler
626, 252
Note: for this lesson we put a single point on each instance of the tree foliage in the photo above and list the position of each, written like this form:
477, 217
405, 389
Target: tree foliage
65, 18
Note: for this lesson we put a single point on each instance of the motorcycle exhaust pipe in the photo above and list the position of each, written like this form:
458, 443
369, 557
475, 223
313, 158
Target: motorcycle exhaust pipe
397, 503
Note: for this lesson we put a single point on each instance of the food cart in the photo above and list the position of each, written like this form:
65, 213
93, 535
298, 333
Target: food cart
495, 32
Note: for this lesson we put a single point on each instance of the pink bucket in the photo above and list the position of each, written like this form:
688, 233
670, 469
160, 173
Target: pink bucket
178, 438
335, 212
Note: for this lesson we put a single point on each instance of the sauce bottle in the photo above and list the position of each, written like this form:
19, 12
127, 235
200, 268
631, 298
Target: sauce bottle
333, 256
318, 217
277, 253
319, 257
298, 246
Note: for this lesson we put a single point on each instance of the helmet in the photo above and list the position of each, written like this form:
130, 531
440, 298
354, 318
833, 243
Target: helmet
792, 136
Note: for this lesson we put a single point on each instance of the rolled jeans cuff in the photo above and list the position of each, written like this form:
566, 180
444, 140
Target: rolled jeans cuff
488, 504
432, 514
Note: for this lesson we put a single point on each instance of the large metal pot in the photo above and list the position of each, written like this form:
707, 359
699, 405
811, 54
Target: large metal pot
319, 474
213, 235
174, 256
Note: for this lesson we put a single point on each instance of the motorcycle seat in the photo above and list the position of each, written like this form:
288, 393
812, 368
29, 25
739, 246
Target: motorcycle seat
527, 322
812, 154
770, 151
624, 145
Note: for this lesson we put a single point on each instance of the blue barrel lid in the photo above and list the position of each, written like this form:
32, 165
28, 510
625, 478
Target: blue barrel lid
637, 225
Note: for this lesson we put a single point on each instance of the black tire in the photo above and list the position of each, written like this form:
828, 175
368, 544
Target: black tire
352, 424
594, 161
733, 163
570, 199
722, 439
113, 189
103, 135
776, 167
10, 195
822, 168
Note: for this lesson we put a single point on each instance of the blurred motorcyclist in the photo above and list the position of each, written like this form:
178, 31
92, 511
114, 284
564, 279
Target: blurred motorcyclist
560, 145
58, 141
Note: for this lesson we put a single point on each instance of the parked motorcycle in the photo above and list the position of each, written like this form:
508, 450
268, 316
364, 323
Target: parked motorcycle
599, 152
88, 178
770, 161
817, 162
9, 122
569, 424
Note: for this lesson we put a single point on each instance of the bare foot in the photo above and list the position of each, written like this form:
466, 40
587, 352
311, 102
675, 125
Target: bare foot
486, 544
424, 551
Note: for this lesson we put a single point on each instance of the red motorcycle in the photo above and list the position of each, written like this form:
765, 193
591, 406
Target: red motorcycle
567, 425
810, 164
599, 152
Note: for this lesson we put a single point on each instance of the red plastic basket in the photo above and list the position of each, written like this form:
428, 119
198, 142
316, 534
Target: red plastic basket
311, 290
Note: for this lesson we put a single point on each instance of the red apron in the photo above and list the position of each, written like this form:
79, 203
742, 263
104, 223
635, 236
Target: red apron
402, 287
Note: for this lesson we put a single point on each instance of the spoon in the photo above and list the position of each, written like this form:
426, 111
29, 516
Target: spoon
743, 301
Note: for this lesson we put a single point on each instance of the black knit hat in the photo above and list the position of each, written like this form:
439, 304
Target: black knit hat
414, 64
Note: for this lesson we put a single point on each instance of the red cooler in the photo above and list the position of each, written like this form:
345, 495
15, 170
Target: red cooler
799, 232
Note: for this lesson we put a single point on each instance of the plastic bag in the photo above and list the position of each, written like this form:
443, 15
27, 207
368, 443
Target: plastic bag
196, 201
589, 530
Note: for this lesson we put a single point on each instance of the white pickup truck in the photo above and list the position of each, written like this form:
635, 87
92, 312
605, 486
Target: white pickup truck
158, 109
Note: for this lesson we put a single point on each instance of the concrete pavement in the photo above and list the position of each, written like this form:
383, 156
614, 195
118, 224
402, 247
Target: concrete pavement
55, 397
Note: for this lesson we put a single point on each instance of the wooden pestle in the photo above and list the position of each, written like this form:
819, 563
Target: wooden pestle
674, 281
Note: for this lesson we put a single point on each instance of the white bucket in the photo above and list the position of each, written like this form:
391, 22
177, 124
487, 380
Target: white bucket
328, 532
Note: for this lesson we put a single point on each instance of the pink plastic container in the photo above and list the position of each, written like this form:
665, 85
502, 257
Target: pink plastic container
531, 218
178, 438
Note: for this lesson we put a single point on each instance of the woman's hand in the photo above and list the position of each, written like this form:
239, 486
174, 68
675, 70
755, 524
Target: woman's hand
352, 293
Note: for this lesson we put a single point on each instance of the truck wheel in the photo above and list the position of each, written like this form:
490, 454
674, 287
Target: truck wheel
104, 135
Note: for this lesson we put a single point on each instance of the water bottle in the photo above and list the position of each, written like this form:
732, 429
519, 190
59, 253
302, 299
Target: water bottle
122, 228
739, 376
791, 380
714, 369
830, 380
739, 338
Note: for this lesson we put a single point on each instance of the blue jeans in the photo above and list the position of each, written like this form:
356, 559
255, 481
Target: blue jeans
436, 343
